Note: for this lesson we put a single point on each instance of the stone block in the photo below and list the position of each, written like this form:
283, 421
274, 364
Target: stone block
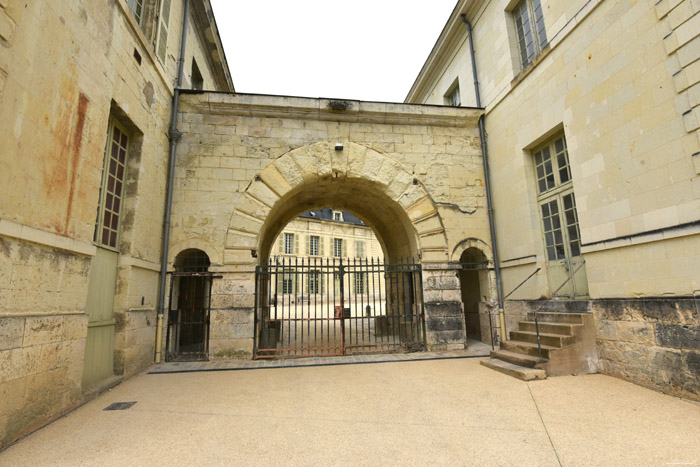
677, 336
444, 323
435, 309
43, 330
666, 360
11, 333
691, 361
633, 331
606, 329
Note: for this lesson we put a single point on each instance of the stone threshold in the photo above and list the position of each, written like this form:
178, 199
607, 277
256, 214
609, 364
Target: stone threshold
189, 367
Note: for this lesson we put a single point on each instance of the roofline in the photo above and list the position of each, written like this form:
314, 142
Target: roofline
445, 41
225, 79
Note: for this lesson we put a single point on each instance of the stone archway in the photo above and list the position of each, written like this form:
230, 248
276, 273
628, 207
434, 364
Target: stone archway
377, 188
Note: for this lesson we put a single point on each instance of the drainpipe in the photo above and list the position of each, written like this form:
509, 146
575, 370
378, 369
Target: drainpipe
487, 181
174, 137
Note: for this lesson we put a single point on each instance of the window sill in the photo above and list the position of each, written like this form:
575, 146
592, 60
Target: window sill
531, 66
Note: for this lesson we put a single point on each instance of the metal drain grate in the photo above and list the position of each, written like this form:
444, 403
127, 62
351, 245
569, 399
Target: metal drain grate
120, 405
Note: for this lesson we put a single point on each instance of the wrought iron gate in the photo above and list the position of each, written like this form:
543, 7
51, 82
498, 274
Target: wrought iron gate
336, 307
188, 316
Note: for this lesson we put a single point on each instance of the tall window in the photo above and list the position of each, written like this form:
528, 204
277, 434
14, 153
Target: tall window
338, 247
111, 199
557, 206
529, 26
288, 243
360, 283
288, 282
136, 7
315, 282
359, 249
163, 25
313, 245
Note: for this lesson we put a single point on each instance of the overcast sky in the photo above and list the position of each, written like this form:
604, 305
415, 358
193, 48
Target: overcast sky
361, 49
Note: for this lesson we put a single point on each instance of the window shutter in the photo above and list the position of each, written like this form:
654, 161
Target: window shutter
308, 245
279, 290
163, 24
280, 244
321, 247
344, 248
296, 244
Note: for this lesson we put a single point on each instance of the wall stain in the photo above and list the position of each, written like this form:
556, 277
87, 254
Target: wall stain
83, 102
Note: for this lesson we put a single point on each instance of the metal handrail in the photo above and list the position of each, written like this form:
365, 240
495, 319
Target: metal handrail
537, 326
523, 282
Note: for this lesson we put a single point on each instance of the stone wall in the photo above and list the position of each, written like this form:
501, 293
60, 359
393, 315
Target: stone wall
42, 333
652, 342
247, 165
66, 68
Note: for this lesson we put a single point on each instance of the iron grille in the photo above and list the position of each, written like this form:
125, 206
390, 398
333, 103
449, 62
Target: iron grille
318, 307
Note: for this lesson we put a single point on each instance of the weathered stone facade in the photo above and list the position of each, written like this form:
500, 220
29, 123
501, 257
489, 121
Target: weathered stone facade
68, 69
249, 164
617, 79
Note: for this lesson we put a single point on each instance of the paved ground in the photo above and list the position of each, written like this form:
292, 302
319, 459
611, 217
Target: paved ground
431, 412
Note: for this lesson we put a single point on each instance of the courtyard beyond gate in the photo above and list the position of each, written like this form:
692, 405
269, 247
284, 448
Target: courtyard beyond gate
338, 307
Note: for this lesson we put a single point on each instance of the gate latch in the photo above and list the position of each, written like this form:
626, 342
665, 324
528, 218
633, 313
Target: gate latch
341, 312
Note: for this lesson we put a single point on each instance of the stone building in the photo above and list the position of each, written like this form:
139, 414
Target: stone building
586, 113
591, 117
86, 92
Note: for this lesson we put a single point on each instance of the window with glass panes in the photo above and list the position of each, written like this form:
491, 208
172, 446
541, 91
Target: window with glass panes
288, 243
313, 245
360, 283
338, 247
136, 7
556, 200
359, 249
315, 283
287, 282
529, 26
454, 99
111, 200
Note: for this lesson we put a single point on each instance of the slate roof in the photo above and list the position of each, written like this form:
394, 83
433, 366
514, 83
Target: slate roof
326, 214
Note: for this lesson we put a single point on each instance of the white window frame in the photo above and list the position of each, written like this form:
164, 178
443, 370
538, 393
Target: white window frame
337, 247
161, 46
137, 9
314, 243
288, 244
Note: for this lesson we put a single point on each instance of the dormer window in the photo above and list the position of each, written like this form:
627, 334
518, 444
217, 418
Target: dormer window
453, 98
338, 216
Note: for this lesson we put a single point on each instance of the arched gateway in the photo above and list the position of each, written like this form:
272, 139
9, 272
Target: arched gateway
247, 165
350, 306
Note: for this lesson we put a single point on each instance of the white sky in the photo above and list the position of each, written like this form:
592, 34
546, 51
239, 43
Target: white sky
370, 50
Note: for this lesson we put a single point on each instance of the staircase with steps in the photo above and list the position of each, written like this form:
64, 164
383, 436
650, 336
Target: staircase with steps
567, 342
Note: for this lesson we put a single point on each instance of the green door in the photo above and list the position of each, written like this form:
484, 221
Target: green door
99, 348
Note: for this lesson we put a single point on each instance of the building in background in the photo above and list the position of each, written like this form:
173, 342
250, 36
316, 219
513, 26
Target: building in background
86, 91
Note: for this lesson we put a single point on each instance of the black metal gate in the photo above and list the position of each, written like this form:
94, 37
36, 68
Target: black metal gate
336, 307
188, 316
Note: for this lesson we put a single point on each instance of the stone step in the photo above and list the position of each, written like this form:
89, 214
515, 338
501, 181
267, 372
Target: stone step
517, 371
554, 340
517, 358
554, 317
526, 348
562, 329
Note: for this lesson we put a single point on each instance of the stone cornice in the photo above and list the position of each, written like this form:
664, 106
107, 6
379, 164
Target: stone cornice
254, 105
452, 35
